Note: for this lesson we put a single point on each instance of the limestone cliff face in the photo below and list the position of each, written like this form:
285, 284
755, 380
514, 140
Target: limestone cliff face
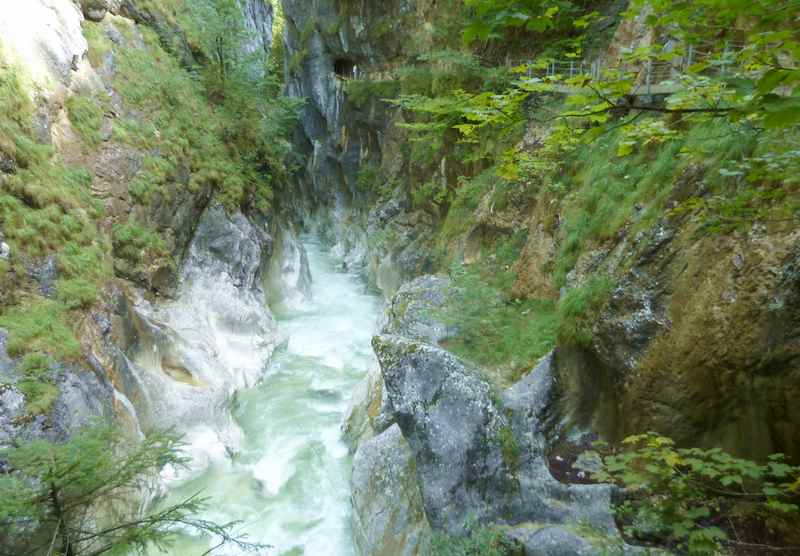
698, 340
340, 137
256, 258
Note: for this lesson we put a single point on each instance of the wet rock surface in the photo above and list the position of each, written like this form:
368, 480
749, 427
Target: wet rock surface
445, 411
389, 519
289, 277
477, 454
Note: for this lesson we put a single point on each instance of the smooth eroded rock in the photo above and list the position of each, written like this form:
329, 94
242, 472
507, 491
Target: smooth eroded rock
388, 515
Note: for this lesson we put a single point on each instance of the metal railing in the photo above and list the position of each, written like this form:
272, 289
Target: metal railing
651, 75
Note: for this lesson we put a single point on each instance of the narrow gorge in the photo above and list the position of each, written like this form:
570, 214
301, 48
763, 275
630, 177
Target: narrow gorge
399, 277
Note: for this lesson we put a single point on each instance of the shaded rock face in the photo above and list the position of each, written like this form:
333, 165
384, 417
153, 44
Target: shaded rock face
82, 397
698, 341
389, 519
338, 137
229, 245
258, 17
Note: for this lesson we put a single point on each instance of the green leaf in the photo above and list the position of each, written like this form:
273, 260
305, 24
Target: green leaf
771, 80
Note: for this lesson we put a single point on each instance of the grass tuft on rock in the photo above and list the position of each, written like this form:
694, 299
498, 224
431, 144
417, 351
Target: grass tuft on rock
40, 325
578, 309
86, 116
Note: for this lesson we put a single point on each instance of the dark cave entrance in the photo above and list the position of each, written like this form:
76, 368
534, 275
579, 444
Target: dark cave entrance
345, 68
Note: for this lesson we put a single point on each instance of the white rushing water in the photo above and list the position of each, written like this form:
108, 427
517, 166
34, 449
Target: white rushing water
289, 483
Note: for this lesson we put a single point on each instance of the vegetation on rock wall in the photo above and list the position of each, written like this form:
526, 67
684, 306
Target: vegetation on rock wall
177, 125
481, 541
221, 127
588, 167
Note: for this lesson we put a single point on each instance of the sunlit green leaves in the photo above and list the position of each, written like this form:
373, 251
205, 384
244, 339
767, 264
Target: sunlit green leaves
682, 493
492, 19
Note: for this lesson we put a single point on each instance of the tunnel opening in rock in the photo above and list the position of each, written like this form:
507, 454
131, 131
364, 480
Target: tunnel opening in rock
345, 68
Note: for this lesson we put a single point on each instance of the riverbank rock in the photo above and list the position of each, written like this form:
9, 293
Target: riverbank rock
446, 413
289, 277
412, 312
480, 454
370, 411
388, 515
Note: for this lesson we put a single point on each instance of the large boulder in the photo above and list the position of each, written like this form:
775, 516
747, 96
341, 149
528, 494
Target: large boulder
388, 515
480, 455
447, 413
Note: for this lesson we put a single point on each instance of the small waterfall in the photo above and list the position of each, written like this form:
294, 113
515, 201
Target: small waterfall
128, 413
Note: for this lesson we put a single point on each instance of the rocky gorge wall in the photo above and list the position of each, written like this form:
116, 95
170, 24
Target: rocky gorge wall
340, 138
183, 299
695, 339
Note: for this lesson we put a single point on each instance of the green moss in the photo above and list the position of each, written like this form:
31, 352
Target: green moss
484, 541
608, 193
579, 308
76, 293
34, 364
509, 447
467, 199
133, 241
99, 43
35, 383
43, 326
86, 115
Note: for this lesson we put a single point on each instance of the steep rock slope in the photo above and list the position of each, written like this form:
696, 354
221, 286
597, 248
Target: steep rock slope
325, 47
111, 224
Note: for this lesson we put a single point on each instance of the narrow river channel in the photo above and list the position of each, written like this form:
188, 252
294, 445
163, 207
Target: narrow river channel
289, 484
